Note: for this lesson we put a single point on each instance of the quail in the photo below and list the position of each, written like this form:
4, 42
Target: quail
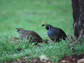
30, 35
55, 34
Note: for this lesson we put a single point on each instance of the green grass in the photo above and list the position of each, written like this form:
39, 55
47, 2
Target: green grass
30, 15
55, 51
9, 50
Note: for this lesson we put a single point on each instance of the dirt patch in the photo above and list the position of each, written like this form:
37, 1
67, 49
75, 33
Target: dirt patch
34, 60
71, 59
66, 59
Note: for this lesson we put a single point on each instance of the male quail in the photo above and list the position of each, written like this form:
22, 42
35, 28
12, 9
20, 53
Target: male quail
54, 33
30, 35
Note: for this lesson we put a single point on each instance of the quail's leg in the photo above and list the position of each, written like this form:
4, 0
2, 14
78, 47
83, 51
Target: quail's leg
57, 39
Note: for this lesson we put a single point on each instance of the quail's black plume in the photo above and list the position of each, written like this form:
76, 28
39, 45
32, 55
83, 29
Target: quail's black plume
54, 33
30, 35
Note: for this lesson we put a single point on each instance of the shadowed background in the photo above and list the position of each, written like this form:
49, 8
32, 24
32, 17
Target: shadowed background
31, 14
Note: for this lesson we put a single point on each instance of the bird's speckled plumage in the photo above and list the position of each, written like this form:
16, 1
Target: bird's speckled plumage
30, 35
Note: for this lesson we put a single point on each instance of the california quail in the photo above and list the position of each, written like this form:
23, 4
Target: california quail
54, 33
30, 35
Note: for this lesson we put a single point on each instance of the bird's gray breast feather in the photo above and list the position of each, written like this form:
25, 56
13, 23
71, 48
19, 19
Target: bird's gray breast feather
52, 33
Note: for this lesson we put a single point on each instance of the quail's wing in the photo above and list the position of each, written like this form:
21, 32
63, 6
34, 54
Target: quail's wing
61, 33
35, 35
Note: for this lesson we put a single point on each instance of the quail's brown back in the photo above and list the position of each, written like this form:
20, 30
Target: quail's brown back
33, 37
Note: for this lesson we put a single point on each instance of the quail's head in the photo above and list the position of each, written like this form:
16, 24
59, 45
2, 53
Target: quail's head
20, 30
47, 26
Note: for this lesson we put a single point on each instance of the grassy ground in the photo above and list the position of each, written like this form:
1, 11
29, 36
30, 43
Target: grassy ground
30, 15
